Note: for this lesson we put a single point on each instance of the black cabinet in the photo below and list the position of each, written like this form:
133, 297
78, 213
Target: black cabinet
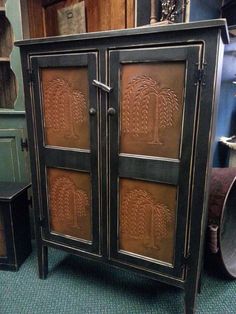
121, 126
15, 242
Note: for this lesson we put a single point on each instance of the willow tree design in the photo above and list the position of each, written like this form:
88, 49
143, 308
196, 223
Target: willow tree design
144, 219
67, 202
64, 107
137, 108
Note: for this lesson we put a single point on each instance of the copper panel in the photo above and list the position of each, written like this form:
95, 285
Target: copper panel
69, 202
152, 97
2, 237
65, 106
147, 219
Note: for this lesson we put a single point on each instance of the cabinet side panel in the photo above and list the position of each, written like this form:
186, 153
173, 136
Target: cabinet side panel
2, 237
36, 19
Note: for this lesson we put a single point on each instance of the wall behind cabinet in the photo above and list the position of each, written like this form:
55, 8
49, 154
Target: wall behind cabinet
13, 159
100, 15
226, 122
204, 10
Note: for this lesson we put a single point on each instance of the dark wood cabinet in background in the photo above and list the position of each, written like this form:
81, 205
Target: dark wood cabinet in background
15, 242
121, 126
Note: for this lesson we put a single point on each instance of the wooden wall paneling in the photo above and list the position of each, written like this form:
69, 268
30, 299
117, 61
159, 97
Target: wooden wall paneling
100, 15
92, 15
107, 15
118, 14
36, 19
50, 16
104, 18
130, 13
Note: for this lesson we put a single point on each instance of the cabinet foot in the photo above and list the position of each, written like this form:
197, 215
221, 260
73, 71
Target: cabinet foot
189, 303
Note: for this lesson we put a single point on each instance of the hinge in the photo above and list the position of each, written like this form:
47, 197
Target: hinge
41, 222
24, 144
201, 74
30, 76
185, 260
30, 202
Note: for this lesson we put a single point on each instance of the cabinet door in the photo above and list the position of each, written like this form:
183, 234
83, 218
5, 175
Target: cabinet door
152, 114
13, 166
65, 105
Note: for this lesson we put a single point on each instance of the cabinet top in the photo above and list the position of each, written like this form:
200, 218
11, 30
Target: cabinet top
9, 190
208, 24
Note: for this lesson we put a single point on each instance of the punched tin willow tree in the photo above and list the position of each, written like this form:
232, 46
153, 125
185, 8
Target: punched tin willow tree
137, 109
67, 202
137, 206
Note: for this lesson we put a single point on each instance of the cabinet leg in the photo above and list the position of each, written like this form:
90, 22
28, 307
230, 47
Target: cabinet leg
190, 299
43, 261
189, 304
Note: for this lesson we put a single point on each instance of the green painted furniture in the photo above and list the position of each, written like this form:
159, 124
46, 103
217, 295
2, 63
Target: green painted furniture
13, 135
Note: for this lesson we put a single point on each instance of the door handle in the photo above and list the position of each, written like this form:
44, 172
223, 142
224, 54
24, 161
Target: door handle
92, 111
111, 111
102, 86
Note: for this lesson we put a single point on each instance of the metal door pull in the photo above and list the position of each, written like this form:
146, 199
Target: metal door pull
104, 87
92, 111
111, 111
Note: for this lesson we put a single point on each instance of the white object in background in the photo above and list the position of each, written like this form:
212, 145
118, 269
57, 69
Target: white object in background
71, 19
231, 143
